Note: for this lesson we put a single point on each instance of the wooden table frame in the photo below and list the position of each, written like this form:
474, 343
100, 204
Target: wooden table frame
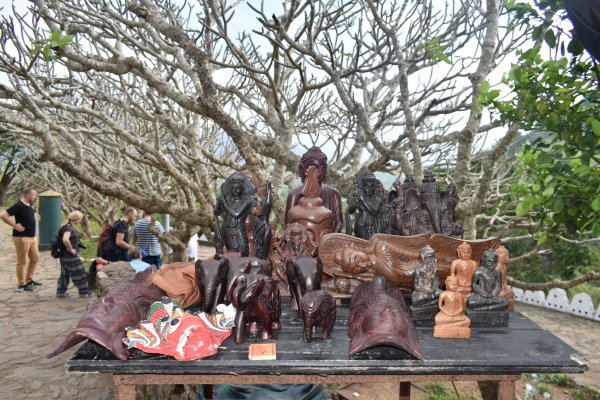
126, 384
495, 357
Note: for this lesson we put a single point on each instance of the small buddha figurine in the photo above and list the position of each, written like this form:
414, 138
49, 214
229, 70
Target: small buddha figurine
506, 292
463, 268
425, 286
487, 285
451, 322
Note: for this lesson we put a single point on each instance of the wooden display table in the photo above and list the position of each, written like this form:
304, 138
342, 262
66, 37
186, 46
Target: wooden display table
492, 354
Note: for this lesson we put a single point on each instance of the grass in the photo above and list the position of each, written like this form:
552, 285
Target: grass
437, 391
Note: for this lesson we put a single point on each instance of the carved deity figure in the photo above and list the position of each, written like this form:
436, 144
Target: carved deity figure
487, 285
310, 211
506, 292
426, 209
238, 197
463, 268
366, 203
426, 280
258, 228
329, 194
295, 242
451, 322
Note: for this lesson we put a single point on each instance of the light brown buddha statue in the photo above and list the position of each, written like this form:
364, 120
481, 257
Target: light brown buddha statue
506, 292
310, 211
451, 322
463, 268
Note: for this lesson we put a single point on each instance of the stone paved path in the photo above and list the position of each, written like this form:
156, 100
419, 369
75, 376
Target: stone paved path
31, 324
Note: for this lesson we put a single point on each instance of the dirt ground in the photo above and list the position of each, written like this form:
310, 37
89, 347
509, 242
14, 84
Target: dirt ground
31, 324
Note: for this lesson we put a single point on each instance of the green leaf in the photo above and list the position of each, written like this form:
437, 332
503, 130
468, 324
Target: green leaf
549, 191
485, 87
542, 238
596, 229
550, 38
596, 127
56, 35
559, 205
596, 204
525, 206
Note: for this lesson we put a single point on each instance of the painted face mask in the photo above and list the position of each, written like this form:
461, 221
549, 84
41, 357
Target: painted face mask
183, 335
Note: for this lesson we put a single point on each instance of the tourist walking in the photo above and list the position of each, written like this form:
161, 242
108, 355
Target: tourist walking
71, 266
24, 239
116, 244
147, 241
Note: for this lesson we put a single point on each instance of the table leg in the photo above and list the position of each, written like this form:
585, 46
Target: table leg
124, 391
506, 390
404, 391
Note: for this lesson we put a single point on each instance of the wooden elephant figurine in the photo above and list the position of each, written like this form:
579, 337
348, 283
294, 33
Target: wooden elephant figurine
211, 276
245, 265
256, 298
304, 275
317, 307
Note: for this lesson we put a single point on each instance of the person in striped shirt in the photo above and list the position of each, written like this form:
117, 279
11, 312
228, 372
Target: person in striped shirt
147, 241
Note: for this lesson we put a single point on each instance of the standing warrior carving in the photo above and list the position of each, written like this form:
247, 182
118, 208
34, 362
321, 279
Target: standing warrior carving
366, 203
238, 197
463, 269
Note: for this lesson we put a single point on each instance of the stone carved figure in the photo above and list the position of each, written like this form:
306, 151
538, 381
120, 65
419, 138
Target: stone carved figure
366, 203
238, 197
392, 209
487, 285
295, 242
463, 269
256, 298
378, 317
330, 196
310, 211
394, 257
425, 209
303, 275
317, 308
426, 282
105, 321
451, 322
506, 292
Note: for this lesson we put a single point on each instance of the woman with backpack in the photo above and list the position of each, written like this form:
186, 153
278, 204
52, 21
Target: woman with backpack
71, 267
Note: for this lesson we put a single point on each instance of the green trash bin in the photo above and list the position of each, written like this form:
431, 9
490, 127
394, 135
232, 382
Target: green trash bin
50, 217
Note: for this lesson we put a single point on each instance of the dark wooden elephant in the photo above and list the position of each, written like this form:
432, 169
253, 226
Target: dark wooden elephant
211, 276
256, 298
246, 265
317, 307
304, 274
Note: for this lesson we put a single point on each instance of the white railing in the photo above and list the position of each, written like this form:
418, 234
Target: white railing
558, 299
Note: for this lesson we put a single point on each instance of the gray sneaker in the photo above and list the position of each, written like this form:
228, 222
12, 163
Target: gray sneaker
24, 288
62, 295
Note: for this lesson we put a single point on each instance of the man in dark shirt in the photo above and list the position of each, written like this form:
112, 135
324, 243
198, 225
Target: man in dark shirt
115, 249
24, 238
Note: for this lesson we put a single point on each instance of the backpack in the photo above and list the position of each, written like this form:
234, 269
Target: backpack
103, 235
57, 247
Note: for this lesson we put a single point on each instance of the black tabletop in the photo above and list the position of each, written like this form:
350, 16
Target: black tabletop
522, 347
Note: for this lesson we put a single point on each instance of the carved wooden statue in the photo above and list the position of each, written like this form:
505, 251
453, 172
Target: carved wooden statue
426, 209
366, 203
256, 298
426, 291
258, 228
238, 197
310, 211
304, 275
485, 305
463, 269
328, 194
317, 308
294, 242
506, 292
394, 257
378, 317
451, 321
